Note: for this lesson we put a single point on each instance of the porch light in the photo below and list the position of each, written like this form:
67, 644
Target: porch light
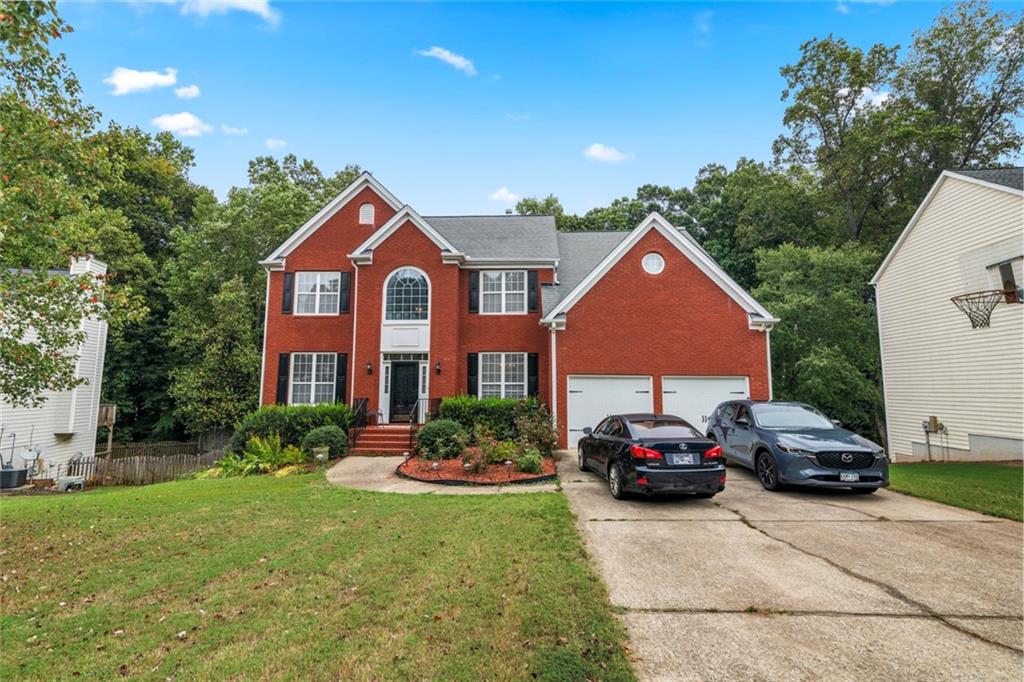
437, 367
369, 367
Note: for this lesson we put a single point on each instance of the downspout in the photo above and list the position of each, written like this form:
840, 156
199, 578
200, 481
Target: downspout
355, 318
768, 344
554, 378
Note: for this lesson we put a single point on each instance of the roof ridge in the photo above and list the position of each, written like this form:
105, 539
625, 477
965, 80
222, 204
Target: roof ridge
491, 215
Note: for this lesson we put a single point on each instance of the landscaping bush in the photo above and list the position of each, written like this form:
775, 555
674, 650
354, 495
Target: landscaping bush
441, 439
330, 437
500, 415
260, 456
530, 462
290, 422
536, 431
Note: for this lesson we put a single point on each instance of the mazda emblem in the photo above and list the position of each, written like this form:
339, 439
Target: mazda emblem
846, 457
682, 446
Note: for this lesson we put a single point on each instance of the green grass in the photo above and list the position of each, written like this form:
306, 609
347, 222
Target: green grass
994, 489
293, 578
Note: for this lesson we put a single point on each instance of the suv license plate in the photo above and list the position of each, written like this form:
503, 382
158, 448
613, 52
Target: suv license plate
685, 458
847, 477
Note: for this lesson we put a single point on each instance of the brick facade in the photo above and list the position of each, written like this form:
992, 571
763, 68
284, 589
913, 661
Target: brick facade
678, 322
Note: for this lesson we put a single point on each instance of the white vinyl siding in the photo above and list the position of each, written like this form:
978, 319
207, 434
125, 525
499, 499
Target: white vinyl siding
933, 362
313, 378
317, 293
502, 375
503, 292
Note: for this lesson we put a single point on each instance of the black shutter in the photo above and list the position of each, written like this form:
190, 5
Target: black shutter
282, 379
344, 287
531, 291
341, 366
531, 373
471, 374
288, 294
474, 291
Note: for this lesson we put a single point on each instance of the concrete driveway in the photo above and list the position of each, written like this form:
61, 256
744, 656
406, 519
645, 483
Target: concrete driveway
806, 585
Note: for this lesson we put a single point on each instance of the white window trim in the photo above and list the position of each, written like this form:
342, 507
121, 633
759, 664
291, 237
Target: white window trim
312, 382
503, 292
317, 293
503, 383
384, 302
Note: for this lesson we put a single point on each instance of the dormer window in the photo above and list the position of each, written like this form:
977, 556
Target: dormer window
366, 213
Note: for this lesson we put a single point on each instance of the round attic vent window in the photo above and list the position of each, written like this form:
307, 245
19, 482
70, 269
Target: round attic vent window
653, 263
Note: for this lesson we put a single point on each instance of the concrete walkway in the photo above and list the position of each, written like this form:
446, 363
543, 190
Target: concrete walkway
806, 585
378, 474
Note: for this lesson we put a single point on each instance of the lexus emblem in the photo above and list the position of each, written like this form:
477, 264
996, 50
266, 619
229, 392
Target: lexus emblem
846, 457
682, 446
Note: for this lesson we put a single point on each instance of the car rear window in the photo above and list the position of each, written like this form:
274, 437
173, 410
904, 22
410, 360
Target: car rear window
663, 428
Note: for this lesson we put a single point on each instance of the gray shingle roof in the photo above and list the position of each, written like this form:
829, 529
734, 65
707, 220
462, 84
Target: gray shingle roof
580, 253
1008, 177
499, 236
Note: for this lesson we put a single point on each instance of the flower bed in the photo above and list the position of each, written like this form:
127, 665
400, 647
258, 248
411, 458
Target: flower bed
452, 471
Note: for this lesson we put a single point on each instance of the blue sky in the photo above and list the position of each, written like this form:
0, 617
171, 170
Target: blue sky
449, 103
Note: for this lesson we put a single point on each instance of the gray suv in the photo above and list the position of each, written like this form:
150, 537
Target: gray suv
793, 443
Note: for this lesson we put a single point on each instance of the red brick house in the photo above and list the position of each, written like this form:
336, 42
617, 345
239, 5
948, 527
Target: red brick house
371, 301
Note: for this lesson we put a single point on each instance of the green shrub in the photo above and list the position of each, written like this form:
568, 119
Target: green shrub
537, 431
290, 422
330, 437
500, 415
260, 456
441, 439
530, 462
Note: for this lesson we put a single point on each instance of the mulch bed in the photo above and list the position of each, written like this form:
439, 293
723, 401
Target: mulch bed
451, 471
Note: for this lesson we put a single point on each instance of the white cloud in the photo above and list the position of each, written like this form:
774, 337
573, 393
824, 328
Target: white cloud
456, 60
702, 22
868, 96
187, 91
232, 130
504, 196
600, 152
517, 117
276, 143
129, 80
185, 124
842, 7
204, 8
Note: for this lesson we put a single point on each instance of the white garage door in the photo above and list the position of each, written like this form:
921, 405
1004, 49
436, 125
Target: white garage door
693, 398
592, 398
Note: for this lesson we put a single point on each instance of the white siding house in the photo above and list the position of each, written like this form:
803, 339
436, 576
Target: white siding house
967, 236
66, 423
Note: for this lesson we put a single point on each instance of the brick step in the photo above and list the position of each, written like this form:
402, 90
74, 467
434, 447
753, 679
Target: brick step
383, 436
375, 451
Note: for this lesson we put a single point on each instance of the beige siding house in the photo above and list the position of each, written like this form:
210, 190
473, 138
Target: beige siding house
66, 423
967, 236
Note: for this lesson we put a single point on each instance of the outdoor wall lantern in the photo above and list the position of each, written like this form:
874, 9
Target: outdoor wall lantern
437, 367
369, 367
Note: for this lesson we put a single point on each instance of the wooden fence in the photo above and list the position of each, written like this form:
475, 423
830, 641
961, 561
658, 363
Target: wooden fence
140, 469
171, 447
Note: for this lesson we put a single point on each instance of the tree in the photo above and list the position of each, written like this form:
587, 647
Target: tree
226, 244
154, 194
827, 326
216, 389
48, 212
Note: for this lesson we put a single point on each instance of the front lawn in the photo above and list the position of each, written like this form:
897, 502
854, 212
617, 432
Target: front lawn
291, 578
994, 489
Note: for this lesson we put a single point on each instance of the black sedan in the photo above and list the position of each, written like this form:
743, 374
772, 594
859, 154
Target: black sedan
793, 443
652, 453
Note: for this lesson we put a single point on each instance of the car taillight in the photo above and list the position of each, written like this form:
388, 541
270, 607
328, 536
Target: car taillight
640, 452
715, 452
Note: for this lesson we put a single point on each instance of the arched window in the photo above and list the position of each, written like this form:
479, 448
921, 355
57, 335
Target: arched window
406, 295
366, 214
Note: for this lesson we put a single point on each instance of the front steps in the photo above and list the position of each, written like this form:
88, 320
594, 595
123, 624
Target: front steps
384, 439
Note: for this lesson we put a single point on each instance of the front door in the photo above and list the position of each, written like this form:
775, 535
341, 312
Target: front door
405, 390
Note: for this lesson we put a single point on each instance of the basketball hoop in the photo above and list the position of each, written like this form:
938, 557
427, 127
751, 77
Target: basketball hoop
978, 306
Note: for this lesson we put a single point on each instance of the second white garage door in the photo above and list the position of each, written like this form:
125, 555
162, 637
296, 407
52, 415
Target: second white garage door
693, 398
592, 398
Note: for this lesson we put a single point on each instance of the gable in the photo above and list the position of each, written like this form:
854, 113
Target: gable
758, 316
350, 195
922, 210
405, 217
